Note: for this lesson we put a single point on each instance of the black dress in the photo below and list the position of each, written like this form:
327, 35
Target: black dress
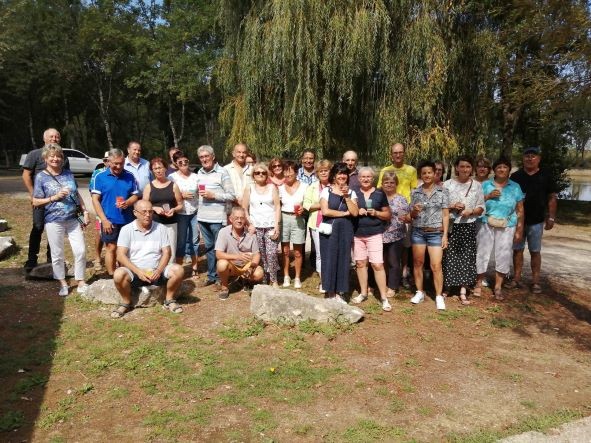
335, 249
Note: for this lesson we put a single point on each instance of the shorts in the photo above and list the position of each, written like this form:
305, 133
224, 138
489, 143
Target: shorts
429, 238
533, 235
370, 247
137, 282
113, 236
293, 229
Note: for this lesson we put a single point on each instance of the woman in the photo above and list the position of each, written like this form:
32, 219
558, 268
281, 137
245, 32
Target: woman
186, 181
394, 233
276, 168
312, 205
263, 211
368, 237
430, 217
439, 172
338, 205
502, 225
483, 168
172, 167
466, 205
56, 190
166, 200
293, 223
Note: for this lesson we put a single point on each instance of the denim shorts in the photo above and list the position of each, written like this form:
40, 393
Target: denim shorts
533, 235
421, 237
113, 236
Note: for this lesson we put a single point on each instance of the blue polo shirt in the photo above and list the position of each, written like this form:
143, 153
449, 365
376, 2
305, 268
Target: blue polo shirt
110, 186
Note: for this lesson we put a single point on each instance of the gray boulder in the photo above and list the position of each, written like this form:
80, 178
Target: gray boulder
292, 307
104, 291
45, 271
7, 247
3, 225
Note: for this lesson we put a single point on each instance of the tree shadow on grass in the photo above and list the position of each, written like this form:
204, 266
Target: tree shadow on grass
30, 320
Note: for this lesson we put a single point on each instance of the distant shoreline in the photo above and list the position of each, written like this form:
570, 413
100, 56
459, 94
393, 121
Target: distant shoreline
582, 173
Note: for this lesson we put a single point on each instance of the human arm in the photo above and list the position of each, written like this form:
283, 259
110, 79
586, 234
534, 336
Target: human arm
246, 207
28, 181
445, 221
83, 207
106, 225
277, 209
520, 219
552, 205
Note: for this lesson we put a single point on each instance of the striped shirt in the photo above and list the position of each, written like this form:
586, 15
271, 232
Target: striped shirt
216, 180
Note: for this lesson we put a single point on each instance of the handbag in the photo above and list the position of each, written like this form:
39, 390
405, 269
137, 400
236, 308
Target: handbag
39, 217
497, 222
325, 227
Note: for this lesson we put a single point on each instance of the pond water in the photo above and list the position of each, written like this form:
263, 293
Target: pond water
579, 189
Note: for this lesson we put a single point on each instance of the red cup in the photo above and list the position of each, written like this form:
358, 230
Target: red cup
296, 208
119, 200
201, 187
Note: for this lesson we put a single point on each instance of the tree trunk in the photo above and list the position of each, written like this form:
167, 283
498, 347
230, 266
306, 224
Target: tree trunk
31, 131
171, 124
103, 108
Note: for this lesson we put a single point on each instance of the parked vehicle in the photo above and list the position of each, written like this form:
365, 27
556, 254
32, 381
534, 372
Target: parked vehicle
80, 163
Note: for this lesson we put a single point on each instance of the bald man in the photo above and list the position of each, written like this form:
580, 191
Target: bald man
34, 163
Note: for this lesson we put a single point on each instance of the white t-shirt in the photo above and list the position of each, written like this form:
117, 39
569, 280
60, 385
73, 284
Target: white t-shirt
187, 184
145, 248
288, 200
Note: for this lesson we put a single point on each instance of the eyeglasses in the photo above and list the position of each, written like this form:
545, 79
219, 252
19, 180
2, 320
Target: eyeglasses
144, 212
182, 162
439, 169
259, 173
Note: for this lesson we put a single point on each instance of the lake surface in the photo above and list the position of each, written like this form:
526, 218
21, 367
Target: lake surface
580, 189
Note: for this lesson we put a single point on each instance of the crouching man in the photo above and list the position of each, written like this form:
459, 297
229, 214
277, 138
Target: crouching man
143, 253
237, 253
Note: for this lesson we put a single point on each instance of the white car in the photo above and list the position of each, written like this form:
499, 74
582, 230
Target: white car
80, 163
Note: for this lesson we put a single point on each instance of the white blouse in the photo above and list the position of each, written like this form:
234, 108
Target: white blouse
469, 193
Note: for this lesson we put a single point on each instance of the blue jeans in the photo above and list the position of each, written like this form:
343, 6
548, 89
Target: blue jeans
184, 236
210, 235
430, 238
193, 237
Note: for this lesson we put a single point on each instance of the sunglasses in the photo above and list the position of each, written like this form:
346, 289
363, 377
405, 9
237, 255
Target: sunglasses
182, 162
276, 166
259, 173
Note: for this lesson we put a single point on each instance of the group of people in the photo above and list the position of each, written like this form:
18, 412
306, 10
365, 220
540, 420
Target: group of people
252, 216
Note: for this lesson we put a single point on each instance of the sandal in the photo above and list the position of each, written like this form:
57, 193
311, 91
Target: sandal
499, 295
121, 310
513, 284
194, 272
536, 288
477, 292
172, 306
463, 300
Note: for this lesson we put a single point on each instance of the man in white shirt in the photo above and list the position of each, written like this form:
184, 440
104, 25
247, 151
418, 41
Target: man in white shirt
143, 253
237, 171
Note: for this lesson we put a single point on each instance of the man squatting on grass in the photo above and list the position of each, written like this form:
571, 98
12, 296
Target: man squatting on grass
237, 252
143, 252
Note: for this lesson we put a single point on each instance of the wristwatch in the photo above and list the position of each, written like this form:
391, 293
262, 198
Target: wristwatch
550, 219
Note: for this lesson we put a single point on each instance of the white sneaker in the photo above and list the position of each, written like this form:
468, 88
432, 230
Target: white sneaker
440, 302
419, 297
64, 291
340, 299
297, 284
386, 305
286, 281
359, 299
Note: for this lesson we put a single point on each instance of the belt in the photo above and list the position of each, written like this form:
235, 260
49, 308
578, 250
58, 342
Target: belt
431, 229
290, 213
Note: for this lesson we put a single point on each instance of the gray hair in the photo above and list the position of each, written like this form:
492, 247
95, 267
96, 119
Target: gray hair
390, 175
237, 209
205, 148
367, 169
116, 153
52, 148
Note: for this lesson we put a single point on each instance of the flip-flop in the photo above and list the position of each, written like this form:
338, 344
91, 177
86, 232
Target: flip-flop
499, 295
536, 289
463, 300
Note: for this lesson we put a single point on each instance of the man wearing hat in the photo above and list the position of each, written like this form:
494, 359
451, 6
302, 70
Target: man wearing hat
98, 243
540, 189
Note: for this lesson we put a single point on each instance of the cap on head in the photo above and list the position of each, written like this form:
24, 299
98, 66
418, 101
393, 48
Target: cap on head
532, 150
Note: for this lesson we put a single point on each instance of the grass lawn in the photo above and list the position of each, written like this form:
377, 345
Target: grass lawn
214, 373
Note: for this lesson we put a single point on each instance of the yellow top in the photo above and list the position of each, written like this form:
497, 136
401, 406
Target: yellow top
407, 179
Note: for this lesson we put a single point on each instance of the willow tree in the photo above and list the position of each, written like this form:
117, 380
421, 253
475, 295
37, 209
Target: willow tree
336, 75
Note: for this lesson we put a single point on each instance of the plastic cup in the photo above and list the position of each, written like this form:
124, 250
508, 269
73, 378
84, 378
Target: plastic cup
119, 200
149, 272
297, 207
368, 204
201, 187
166, 207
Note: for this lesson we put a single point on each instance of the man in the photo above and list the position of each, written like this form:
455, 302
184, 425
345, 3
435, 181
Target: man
236, 169
540, 203
139, 167
350, 159
407, 181
215, 191
143, 253
98, 243
307, 173
237, 252
114, 192
34, 164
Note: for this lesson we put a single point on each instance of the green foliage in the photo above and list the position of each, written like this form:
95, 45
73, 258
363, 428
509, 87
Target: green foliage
11, 420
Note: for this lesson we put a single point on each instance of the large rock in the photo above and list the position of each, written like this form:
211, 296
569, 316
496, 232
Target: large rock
45, 271
7, 247
104, 291
3, 225
292, 307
